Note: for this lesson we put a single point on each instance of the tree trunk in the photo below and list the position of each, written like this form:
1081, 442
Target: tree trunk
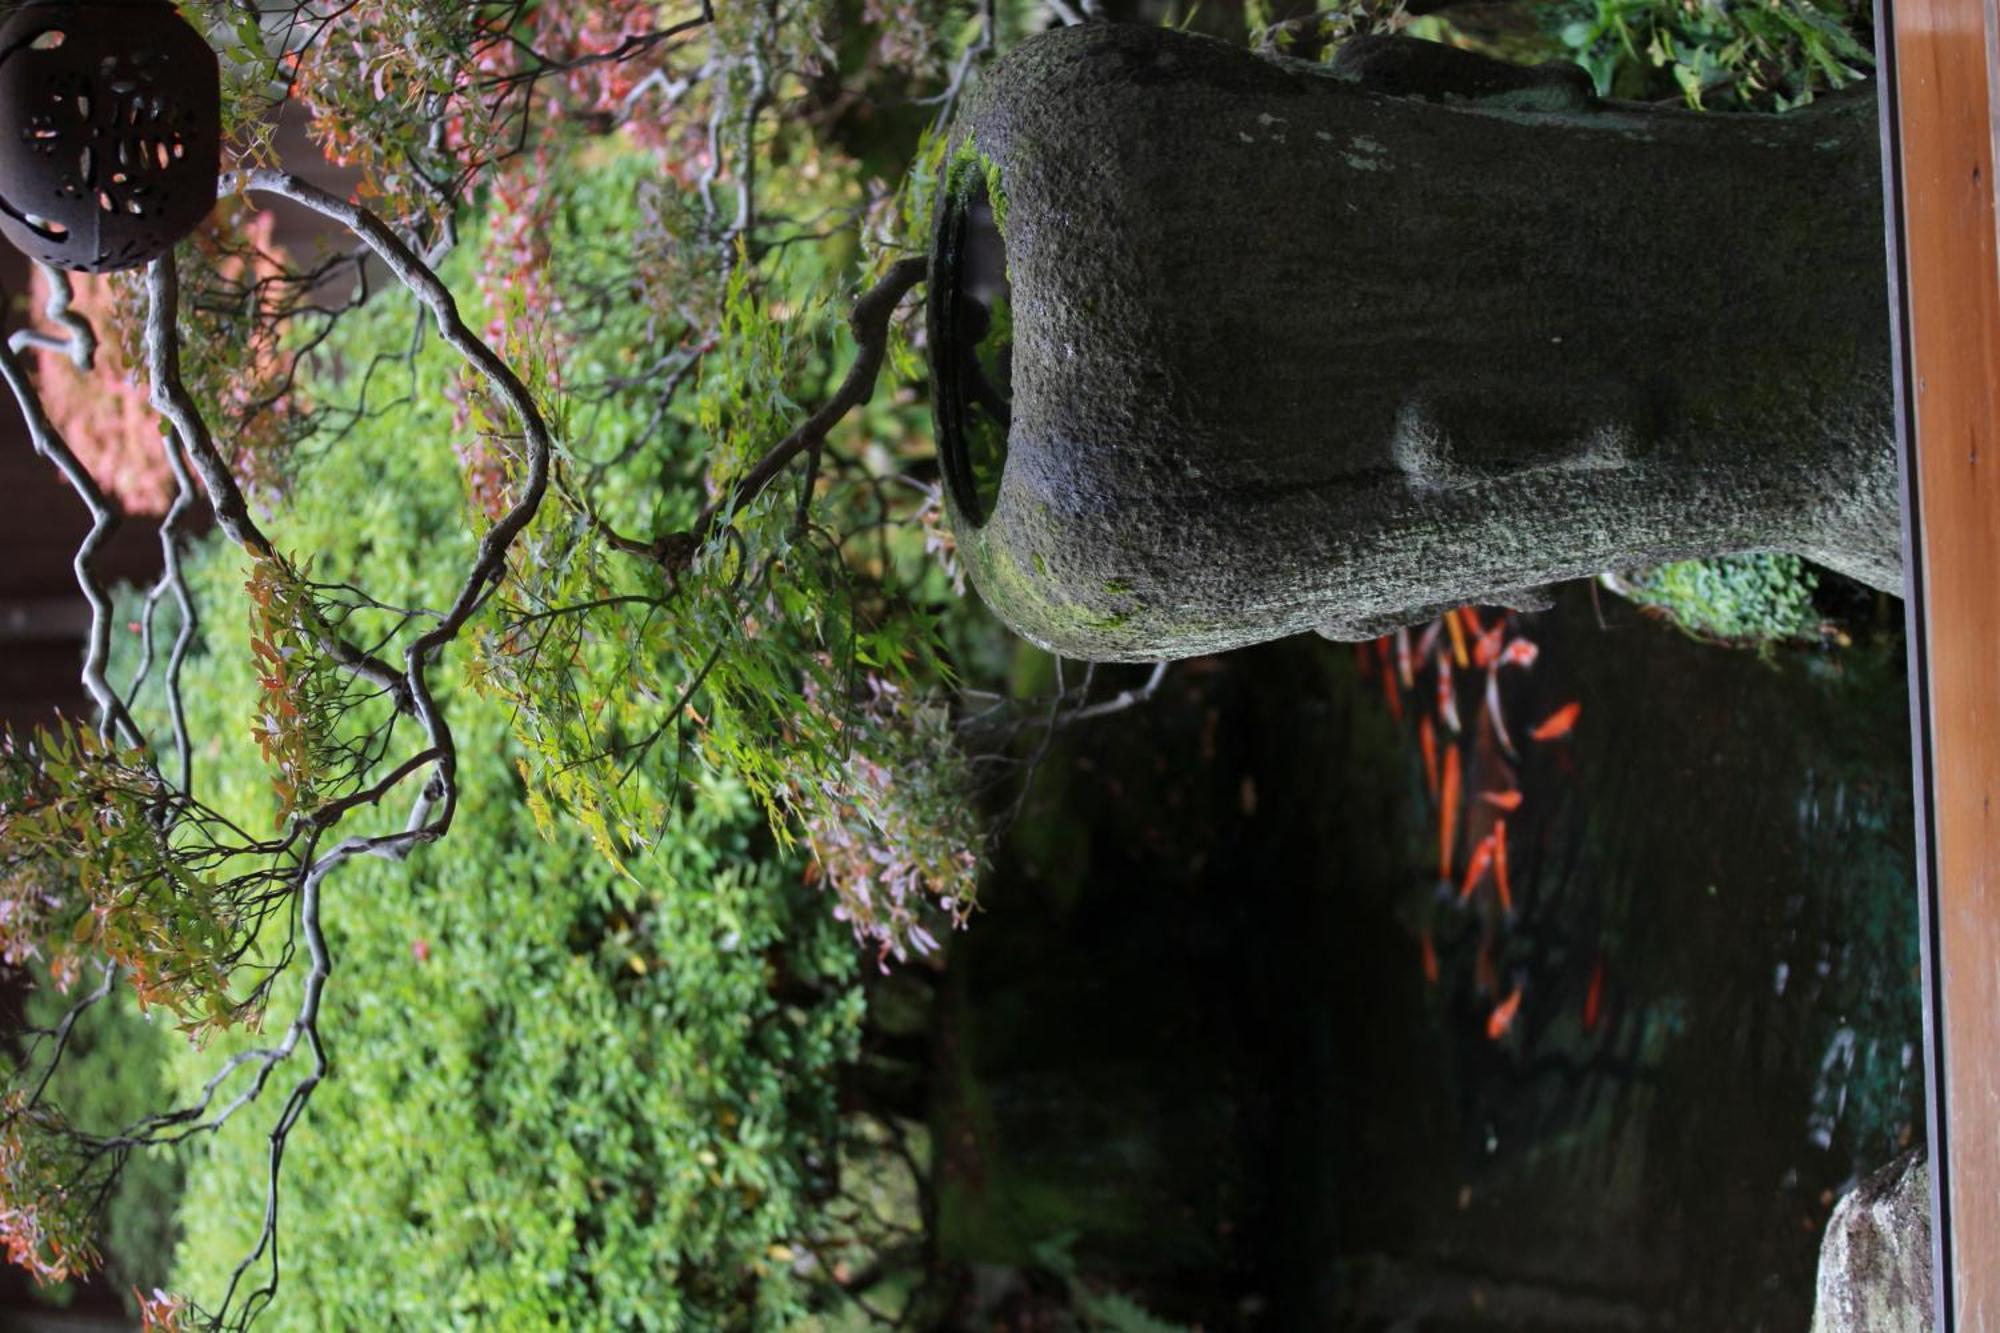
1298, 348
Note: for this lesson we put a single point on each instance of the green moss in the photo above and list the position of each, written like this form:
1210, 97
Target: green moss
1013, 579
1023, 599
963, 162
996, 193
1033, 603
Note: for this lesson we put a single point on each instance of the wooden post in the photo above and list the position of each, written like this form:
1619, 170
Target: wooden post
1940, 113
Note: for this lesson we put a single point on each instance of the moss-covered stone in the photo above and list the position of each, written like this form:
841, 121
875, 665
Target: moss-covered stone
1294, 349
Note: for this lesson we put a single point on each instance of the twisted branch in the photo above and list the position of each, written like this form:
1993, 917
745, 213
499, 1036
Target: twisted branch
80, 345
431, 811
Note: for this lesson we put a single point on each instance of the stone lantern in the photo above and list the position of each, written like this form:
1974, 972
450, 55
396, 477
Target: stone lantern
110, 130
1229, 346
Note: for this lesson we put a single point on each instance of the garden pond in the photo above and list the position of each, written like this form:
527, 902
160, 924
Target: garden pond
1223, 1049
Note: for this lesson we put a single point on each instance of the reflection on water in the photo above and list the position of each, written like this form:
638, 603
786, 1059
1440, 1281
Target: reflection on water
1196, 1028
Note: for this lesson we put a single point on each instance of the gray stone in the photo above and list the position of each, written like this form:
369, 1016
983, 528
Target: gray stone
1875, 1263
1305, 348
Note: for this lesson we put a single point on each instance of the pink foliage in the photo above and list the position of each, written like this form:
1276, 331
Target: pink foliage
890, 836
42, 1220
104, 415
160, 1312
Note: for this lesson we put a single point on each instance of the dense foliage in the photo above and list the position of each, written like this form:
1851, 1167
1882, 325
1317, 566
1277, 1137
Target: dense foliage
1761, 598
575, 1091
1768, 57
656, 642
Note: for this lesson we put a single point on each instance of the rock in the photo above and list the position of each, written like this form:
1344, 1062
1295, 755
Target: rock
1875, 1263
1294, 347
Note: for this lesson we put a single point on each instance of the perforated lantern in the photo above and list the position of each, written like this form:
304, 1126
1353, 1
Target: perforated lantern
110, 127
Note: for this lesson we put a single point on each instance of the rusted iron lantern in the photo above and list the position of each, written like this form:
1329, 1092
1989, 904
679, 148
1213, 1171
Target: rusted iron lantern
1230, 346
110, 131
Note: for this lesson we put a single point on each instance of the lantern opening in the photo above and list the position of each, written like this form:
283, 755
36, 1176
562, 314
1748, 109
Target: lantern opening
972, 342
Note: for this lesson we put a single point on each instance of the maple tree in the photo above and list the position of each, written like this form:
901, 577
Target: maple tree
745, 543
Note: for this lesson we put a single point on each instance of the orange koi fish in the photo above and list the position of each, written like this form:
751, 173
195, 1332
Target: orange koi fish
1428, 739
1473, 626
1487, 650
1447, 697
1493, 710
1457, 638
1509, 801
1404, 670
1558, 724
1448, 813
1429, 953
1485, 977
1593, 995
1476, 866
1389, 680
1521, 653
1502, 1016
1499, 840
1428, 640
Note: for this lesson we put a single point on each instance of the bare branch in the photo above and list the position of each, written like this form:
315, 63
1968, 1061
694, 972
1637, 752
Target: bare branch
60, 1035
634, 46
172, 577
1118, 702
489, 562
172, 399
982, 47
49, 443
79, 339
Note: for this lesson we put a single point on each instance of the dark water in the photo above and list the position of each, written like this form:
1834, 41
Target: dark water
1192, 1038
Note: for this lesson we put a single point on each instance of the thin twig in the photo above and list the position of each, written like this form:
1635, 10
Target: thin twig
869, 322
104, 515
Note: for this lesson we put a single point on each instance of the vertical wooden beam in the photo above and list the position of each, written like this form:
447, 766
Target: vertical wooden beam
1940, 113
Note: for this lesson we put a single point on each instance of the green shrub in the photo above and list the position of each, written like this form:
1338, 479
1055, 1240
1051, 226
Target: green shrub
1764, 56
1762, 598
562, 1098
561, 1095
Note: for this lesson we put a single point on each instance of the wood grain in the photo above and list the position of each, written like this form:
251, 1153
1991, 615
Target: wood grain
1943, 155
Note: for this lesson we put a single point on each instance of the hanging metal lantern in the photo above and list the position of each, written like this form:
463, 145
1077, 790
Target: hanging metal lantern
110, 129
